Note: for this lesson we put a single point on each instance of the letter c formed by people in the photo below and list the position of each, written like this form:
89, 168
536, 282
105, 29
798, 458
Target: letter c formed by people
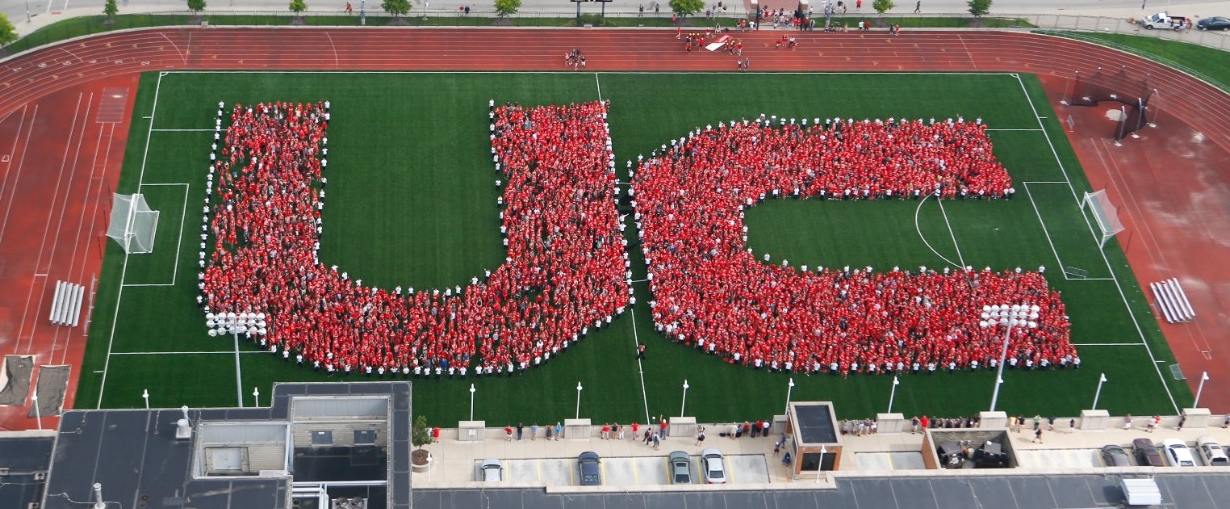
711, 292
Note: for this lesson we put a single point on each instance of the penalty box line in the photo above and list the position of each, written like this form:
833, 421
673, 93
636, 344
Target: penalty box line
179, 239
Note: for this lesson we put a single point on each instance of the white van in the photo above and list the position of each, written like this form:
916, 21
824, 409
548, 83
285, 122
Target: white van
1211, 452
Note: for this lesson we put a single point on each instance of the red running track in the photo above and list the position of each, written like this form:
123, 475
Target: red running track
1172, 214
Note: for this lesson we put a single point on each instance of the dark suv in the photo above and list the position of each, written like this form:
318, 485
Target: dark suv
1146, 453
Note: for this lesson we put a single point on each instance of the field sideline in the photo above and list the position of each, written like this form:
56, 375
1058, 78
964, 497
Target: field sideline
421, 141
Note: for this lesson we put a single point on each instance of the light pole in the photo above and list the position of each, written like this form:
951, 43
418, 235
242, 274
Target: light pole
893, 393
1098, 392
685, 398
252, 324
256, 396
472, 389
1204, 377
789, 388
578, 400
38, 414
145, 396
1008, 316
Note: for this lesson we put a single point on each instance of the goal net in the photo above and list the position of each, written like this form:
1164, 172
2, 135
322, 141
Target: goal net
1104, 214
133, 223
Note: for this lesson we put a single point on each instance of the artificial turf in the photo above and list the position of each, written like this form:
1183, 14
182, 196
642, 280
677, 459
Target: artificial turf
411, 202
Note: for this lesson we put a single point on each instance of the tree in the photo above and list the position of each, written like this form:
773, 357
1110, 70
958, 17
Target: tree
506, 7
979, 8
420, 434
881, 6
396, 7
296, 6
8, 33
686, 7
196, 6
110, 9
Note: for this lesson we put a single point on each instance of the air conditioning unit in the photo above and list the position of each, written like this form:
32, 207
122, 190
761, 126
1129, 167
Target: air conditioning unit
32, 505
40, 476
4, 471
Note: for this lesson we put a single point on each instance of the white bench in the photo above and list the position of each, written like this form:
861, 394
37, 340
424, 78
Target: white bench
66, 304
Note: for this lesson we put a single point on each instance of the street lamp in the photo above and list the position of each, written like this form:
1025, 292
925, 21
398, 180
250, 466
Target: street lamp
578, 400
685, 398
256, 396
145, 396
893, 393
789, 387
472, 389
1204, 377
1008, 316
38, 414
1098, 392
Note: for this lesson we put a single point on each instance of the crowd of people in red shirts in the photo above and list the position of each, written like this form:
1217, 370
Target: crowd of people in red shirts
711, 292
566, 269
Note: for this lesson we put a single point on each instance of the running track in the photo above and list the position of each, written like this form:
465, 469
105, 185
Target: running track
50, 77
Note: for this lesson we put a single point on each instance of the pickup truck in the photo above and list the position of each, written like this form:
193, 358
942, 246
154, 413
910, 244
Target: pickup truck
1164, 20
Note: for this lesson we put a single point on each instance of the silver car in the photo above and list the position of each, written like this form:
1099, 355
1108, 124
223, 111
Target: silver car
491, 470
713, 463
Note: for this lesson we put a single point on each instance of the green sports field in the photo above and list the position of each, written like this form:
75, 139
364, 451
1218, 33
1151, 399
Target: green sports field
412, 202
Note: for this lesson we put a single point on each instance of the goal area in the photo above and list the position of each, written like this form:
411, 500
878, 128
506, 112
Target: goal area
1104, 213
133, 223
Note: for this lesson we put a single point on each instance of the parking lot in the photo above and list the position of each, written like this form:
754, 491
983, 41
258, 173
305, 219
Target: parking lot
628, 471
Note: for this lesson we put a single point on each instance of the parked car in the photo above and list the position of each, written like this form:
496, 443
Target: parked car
589, 466
1214, 23
1115, 456
1177, 453
1211, 452
714, 466
1146, 453
680, 468
491, 470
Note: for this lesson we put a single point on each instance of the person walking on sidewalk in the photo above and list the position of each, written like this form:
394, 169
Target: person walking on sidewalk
1038, 436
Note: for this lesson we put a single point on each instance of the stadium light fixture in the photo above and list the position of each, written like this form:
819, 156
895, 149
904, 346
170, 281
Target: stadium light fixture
1016, 315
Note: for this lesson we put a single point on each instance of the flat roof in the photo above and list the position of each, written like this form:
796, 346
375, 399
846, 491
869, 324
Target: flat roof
1061, 491
138, 461
814, 423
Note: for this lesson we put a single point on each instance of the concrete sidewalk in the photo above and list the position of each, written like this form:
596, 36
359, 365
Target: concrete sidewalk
454, 461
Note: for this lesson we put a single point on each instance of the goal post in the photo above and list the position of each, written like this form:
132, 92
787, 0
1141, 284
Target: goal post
1104, 213
133, 224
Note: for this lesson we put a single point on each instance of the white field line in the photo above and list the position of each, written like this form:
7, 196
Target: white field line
640, 367
1114, 276
918, 228
1050, 242
119, 294
950, 232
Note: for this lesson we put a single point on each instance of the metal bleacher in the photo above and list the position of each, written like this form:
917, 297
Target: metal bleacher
1172, 301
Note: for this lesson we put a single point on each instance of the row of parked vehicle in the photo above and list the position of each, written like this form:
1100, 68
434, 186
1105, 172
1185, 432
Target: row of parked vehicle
712, 466
1174, 452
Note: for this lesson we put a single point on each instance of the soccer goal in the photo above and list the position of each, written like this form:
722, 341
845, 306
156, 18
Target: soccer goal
133, 223
1104, 213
